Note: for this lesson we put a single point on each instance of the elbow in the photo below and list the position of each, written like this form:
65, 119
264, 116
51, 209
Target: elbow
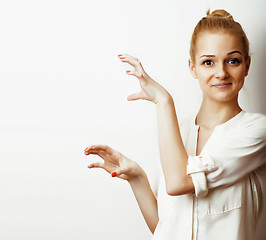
153, 224
180, 187
174, 190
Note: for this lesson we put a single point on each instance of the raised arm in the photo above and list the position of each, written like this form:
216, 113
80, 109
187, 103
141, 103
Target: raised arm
120, 166
235, 156
173, 154
174, 157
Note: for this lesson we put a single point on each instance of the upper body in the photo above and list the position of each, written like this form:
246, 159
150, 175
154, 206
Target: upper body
228, 179
211, 169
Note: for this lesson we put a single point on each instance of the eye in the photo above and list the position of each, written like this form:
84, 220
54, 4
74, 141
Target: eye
208, 62
234, 61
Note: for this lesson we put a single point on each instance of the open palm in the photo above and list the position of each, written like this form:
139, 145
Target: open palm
114, 162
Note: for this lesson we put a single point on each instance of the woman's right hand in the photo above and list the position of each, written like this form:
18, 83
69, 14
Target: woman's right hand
150, 89
114, 163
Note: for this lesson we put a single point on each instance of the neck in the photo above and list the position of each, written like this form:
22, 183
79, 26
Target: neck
213, 113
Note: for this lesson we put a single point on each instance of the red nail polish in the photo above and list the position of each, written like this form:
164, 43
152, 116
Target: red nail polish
127, 71
119, 55
122, 58
114, 174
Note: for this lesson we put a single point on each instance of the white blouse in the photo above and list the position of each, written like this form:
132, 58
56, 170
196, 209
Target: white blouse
228, 176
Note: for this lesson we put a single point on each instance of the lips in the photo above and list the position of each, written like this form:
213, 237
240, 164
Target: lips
222, 85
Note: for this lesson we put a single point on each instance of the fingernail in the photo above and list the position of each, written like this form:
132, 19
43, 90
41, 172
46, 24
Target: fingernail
119, 55
114, 174
86, 149
122, 58
127, 71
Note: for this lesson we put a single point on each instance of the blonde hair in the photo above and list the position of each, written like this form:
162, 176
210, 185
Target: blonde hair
218, 21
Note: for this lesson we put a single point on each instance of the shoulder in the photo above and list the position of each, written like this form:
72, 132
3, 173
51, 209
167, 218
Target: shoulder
250, 125
254, 120
247, 120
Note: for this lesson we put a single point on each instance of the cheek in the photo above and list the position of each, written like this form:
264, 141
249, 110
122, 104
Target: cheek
204, 76
239, 76
239, 84
238, 79
203, 83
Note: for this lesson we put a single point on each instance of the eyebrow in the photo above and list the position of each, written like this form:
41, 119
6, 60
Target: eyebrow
227, 54
234, 52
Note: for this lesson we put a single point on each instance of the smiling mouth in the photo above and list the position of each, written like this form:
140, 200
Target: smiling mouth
222, 85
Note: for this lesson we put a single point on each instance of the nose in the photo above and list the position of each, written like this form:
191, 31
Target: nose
221, 71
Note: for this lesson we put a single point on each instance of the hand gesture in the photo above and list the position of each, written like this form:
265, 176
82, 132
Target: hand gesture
114, 162
151, 90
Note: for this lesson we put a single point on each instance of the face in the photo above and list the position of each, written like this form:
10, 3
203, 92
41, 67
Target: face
220, 66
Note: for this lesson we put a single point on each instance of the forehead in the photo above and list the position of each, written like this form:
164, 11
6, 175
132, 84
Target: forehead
218, 44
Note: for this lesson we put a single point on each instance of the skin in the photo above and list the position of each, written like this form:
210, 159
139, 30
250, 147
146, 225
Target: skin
219, 105
220, 59
126, 169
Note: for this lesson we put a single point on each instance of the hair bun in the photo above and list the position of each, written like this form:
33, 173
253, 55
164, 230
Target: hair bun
219, 13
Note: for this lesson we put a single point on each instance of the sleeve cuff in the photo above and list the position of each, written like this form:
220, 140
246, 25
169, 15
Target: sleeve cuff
196, 168
200, 184
198, 164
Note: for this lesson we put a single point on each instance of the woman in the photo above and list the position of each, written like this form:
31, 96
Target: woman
212, 163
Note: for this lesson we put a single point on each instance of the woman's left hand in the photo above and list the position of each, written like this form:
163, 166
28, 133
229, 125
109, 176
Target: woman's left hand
151, 90
114, 162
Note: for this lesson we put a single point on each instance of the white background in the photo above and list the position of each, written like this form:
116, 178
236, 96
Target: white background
64, 88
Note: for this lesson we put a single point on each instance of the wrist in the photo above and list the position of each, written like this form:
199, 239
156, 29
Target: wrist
164, 99
140, 174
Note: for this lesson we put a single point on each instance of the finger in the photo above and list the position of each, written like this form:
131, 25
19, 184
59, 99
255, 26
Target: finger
104, 148
96, 165
87, 148
126, 56
132, 61
134, 73
90, 151
118, 172
137, 96
100, 153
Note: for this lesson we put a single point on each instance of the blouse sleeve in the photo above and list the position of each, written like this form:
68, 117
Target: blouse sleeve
231, 157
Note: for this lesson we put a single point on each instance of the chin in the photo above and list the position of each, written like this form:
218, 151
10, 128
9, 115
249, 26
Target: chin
223, 97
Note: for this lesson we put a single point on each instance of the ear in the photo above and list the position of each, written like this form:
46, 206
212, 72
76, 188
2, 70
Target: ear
192, 68
248, 62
